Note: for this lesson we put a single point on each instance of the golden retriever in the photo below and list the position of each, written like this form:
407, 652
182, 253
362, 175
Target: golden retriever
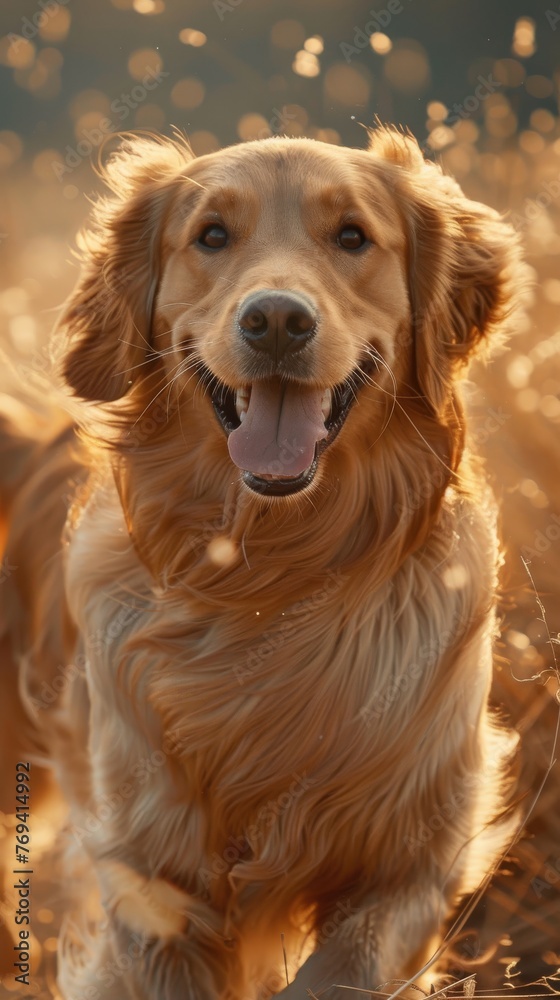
260, 660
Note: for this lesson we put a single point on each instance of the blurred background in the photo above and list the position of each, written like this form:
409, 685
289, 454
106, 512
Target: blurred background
478, 83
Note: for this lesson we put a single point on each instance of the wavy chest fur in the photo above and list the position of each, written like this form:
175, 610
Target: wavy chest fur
263, 737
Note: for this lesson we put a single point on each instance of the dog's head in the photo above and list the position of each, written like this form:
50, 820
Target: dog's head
300, 290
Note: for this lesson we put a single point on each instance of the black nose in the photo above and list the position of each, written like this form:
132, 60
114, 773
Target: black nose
277, 322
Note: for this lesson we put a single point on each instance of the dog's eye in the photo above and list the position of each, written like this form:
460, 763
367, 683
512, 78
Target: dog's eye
351, 238
214, 237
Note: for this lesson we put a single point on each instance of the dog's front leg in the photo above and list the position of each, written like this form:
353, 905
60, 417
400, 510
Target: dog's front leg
118, 963
151, 941
382, 940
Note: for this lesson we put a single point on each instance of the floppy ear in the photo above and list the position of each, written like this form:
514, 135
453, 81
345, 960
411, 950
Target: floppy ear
467, 281
106, 321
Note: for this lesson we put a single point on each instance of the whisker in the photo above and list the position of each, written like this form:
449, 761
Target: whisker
164, 387
165, 304
172, 349
140, 334
402, 409
229, 281
367, 379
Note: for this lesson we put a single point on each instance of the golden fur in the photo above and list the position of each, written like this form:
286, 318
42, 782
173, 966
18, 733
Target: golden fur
267, 701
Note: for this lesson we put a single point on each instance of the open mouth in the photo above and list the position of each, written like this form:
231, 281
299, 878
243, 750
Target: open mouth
277, 430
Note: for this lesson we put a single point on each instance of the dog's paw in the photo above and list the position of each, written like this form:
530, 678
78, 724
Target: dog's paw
152, 907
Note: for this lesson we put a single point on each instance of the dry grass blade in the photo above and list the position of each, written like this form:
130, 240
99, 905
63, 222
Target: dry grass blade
285, 959
433, 992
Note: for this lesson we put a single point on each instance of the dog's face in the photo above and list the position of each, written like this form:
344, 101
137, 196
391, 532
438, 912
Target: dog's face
302, 285
270, 259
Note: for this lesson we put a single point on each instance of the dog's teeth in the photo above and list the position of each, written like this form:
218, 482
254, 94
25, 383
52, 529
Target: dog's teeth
242, 402
326, 403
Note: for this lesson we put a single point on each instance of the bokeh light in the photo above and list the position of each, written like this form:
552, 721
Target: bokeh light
314, 45
149, 6
86, 101
57, 25
306, 63
347, 85
190, 36
17, 52
150, 116
524, 37
203, 142
143, 60
437, 111
188, 93
380, 43
253, 126
531, 142
406, 67
509, 72
539, 86
11, 148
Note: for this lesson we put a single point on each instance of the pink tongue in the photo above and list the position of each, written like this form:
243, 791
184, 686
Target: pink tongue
279, 431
